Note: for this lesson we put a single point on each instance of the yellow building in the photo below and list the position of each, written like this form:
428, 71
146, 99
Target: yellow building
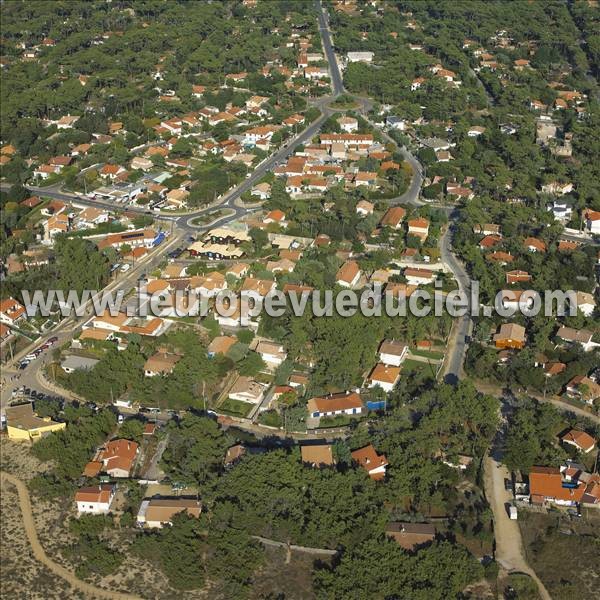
23, 424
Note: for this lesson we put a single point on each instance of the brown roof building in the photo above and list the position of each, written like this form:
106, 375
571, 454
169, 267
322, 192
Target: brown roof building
160, 511
317, 455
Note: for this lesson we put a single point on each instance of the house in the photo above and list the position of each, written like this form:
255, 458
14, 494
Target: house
510, 335
393, 217
221, 345
392, 352
177, 197
96, 499
396, 123
580, 439
371, 462
67, 122
534, 244
257, 288
592, 220
419, 276
419, 227
411, 536
366, 178
262, 191
580, 336
234, 454
317, 455
348, 124
348, 139
11, 311
516, 300
557, 188
583, 388
585, 303
73, 362
546, 485
157, 512
344, 403
365, 57
246, 389
417, 83
475, 131
198, 91
348, 274
22, 424
160, 363
118, 457
111, 171
273, 354
364, 208
384, 376
489, 241
277, 217
238, 270
135, 238
560, 210
517, 276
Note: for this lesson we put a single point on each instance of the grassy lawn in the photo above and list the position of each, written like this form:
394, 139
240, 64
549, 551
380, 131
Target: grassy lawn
337, 421
432, 354
209, 217
413, 365
264, 378
235, 408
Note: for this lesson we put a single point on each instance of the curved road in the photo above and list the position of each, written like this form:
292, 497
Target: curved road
40, 554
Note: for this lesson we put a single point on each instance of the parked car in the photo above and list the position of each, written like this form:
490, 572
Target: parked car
53, 340
23, 364
125, 268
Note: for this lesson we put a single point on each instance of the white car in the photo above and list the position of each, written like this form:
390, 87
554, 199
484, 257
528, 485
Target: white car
125, 268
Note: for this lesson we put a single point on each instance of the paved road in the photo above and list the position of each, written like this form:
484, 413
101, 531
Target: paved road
29, 377
462, 325
334, 71
40, 554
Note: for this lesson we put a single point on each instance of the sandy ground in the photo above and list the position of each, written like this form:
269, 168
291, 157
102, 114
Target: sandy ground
135, 577
509, 545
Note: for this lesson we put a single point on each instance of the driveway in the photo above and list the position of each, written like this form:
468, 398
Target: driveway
509, 544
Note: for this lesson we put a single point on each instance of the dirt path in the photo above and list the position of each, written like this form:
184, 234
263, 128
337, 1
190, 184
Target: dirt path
486, 387
41, 556
509, 544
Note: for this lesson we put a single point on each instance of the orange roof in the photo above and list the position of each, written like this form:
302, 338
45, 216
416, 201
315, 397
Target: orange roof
275, 215
580, 438
567, 246
119, 454
11, 307
348, 271
501, 257
320, 454
418, 223
92, 468
368, 458
393, 216
110, 169
546, 483
335, 402
221, 344
384, 373
534, 243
